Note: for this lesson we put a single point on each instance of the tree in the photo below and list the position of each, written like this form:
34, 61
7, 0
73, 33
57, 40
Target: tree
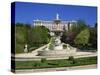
82, 39
21, 36
38, 35
93, 36
64, 37
70, 35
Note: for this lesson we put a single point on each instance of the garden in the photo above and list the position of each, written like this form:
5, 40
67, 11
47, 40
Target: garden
44, 63
81, 36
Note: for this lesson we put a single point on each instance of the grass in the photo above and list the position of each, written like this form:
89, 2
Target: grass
55, 63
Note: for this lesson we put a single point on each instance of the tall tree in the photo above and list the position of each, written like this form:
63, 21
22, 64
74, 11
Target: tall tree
21, 36
82, 39
38, 35
93, 34
76, 28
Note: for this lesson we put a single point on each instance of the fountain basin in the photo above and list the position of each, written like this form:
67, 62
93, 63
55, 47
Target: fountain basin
63, 52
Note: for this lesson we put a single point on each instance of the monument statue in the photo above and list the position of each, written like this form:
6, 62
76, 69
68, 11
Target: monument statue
25, 48
57, 16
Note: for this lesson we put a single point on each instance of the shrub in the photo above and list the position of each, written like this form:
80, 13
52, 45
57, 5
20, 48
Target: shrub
36, 64
64, 46
43, 60
73, 61
71, 58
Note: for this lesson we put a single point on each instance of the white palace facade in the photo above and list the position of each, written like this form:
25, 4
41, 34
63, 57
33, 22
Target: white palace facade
56, 24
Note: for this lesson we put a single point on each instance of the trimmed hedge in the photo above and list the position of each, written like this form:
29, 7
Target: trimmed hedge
55, 63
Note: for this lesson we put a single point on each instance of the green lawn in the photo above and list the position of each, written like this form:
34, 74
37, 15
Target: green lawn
55, 63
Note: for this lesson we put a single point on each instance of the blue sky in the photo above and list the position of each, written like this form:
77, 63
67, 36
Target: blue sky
27, 12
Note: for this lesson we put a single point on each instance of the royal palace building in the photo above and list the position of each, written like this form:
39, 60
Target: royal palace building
56, 24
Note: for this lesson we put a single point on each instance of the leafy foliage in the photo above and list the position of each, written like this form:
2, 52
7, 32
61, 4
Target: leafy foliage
93, 37
81, 25
70, 35
71, 58
33, 36
38, 35
21, 36
43, 60
82, 38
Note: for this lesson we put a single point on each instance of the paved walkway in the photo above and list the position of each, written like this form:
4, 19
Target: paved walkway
30, 56
94, 66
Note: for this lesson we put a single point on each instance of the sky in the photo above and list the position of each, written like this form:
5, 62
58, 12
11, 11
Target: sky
26, 12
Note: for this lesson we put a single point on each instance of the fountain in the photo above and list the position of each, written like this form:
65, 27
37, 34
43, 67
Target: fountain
55, 47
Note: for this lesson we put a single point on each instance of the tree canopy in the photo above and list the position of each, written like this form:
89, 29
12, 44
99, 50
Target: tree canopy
21, 36
70, 35
38, 35
33, 36
82, 38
